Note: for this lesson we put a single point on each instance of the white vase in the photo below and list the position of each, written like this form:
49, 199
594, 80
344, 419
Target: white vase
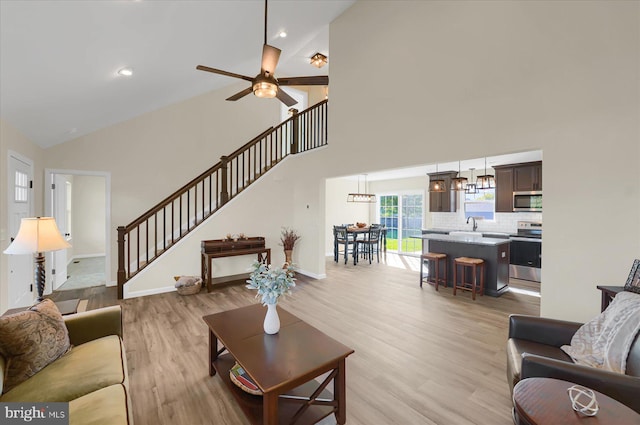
271, 320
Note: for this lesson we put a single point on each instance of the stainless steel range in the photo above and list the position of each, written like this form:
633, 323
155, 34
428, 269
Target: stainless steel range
526, 251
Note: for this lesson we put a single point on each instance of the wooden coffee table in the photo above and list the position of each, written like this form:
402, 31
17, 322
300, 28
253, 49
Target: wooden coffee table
283, 366
545, 401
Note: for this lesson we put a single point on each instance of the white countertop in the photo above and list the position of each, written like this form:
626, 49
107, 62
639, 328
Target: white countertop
464, 239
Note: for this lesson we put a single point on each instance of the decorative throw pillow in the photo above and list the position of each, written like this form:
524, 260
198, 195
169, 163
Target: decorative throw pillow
30, 340
604, 341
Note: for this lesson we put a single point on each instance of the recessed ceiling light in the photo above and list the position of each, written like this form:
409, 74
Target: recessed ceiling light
282, 34
126, 72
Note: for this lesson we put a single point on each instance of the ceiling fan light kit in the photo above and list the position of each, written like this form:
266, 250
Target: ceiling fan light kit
263, 87
265, 83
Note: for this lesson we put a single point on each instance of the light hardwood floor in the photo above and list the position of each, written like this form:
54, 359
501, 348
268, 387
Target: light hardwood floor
421, 356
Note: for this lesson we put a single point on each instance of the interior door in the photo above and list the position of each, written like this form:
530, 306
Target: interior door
20, 206
61, 198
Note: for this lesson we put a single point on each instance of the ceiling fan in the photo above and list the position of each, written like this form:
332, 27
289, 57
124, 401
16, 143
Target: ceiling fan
265, 84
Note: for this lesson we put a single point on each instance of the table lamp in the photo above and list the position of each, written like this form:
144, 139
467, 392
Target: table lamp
36, 236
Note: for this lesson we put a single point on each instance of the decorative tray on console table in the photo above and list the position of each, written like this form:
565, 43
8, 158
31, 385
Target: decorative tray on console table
224, 245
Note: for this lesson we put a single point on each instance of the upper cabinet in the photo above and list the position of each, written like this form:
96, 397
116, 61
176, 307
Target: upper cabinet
524, 177
527, 177
443, 201
504, 189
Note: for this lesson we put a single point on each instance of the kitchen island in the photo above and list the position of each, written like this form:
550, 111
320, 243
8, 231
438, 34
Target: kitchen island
494, 252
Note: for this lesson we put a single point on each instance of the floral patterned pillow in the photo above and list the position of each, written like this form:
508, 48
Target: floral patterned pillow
30, 340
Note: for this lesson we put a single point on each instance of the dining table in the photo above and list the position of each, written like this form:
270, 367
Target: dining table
356, 231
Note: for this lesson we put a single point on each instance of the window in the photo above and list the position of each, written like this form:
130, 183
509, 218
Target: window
481, 204
21, 192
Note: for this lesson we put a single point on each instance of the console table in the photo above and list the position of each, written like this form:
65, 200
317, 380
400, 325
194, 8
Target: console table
220, 248
608, 293
282, 365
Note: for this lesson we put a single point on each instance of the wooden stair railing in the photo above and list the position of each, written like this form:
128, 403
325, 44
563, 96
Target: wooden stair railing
146, 238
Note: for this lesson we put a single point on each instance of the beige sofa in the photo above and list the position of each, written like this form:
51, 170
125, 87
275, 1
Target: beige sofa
92, 376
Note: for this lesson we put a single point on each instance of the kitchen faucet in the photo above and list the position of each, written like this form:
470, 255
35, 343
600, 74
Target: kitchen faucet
475, 224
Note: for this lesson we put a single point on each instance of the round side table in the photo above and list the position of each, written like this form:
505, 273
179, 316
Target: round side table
545, 401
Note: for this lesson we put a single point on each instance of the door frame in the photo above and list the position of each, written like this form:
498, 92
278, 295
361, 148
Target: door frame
400, 228
10, 199
48, 176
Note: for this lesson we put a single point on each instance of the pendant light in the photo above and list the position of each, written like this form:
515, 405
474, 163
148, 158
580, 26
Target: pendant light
471, 188
459, 183
362, 197
487, 181
437, 184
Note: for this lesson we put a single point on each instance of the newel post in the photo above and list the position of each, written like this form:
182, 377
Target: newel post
224, 193
122, 272
294, 130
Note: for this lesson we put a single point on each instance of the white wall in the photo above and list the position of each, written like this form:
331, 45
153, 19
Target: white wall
88, 216
487, 78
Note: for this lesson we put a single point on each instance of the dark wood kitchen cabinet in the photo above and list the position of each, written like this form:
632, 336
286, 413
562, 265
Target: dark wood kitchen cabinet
504, 189
527, 177
443, 201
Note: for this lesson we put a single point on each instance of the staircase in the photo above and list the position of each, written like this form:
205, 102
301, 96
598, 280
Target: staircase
146, 238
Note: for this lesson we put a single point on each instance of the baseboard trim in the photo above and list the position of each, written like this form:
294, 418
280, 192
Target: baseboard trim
312, 275
75, 257
135, 294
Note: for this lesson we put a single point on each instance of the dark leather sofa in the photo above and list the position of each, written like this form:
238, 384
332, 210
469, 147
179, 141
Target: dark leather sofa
533, 350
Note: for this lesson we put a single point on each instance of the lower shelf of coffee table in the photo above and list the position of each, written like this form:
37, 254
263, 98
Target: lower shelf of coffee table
288, 405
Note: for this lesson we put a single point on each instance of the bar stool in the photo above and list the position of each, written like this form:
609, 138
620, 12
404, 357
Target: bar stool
476, 264
436, 258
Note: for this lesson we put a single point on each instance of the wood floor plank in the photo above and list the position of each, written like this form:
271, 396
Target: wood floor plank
421, 356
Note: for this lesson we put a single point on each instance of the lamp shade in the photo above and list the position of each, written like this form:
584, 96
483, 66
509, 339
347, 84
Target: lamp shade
39, 234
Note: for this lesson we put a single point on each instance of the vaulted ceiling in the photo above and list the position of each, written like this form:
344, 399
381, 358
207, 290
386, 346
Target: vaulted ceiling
59, 59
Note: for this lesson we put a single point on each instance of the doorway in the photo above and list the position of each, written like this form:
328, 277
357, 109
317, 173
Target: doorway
401, 214
20, 205
80, 203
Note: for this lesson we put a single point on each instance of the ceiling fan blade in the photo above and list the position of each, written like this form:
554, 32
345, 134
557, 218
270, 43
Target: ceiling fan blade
270, 57
317, 80
240, 94
221, 72
285, 98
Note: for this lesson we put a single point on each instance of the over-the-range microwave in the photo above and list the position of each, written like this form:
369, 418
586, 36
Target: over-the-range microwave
527, 201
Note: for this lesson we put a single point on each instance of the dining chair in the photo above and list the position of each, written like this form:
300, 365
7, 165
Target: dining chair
370, 244
342, 237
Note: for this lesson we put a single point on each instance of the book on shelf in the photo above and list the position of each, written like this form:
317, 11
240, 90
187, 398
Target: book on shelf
243, 378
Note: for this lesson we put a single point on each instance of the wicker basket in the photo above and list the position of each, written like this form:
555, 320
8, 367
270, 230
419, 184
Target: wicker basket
189, 290
243, 387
